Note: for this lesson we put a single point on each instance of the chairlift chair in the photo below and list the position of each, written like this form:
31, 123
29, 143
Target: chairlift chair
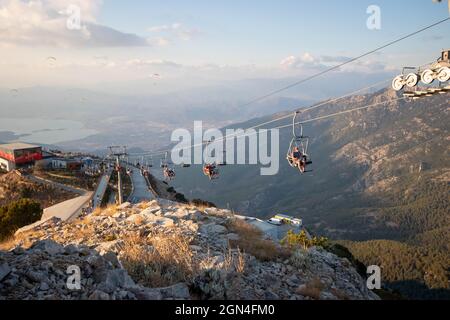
301, 143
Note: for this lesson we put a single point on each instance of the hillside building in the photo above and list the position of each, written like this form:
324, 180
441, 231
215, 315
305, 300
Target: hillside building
19, 155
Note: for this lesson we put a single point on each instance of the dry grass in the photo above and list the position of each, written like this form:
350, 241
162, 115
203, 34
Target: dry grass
109, 211
7, 244
339, 294
143, 205
234, 261
312, 289
160, 261
97, 212
24, 239
251, 241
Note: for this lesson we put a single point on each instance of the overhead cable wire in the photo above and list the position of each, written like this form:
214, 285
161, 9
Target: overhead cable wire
316, 75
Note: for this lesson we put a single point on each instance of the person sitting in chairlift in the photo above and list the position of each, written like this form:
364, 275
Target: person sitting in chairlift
299, 159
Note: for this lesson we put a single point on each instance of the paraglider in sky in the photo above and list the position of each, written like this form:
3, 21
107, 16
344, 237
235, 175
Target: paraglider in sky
51, 61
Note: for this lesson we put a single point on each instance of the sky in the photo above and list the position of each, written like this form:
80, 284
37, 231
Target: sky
200, 42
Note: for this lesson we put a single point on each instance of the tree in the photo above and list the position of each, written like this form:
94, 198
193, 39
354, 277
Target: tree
301, 239
17, 215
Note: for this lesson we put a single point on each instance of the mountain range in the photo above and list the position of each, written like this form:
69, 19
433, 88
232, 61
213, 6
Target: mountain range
378, 174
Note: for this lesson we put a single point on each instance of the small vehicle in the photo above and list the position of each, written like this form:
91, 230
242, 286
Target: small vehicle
275, 222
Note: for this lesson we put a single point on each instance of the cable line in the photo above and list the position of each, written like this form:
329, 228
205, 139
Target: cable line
345, 63
284, 126
282, 117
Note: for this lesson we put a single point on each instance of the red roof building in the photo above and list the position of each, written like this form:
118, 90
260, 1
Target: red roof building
18, 154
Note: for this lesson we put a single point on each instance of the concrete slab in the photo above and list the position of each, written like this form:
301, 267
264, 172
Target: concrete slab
69, 209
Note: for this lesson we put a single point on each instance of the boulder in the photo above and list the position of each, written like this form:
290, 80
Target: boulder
4, 271
164, 222
212, 228
136, 219
99, 295
49, 246
233, 237
124, 206
110, 246
178, 291
148, 294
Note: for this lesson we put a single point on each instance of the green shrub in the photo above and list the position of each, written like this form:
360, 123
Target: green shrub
202, 203
181, 198
295, 240
17, 215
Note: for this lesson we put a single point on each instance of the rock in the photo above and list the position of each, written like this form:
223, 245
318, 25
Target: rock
99, 295
36, 276
233, 237
269, 295
137, 219
178, 291
197, 216
167, 203
147, 294
4, 271
149, 213
119, 278
164, 222
195, 248
71, 249
49, 246
40, 272
212, 228
112, 258
18, 251
44, 286
110, 246
327, 296
124, 206
293, 281
96, 261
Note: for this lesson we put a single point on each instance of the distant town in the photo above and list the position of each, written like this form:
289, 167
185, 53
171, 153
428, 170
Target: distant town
91, 178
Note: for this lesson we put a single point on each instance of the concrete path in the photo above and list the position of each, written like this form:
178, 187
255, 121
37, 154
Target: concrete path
101, 189
141, 192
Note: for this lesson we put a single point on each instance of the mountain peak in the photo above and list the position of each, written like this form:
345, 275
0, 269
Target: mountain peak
167, 250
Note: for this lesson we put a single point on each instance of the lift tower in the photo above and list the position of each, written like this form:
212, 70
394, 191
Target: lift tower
118, 152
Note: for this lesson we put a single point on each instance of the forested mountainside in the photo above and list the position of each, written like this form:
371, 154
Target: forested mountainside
380, 173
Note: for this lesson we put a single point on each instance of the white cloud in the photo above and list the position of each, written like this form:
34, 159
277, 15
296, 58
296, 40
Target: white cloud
175, 31
44, 23
155, 62
293, 62
308, 62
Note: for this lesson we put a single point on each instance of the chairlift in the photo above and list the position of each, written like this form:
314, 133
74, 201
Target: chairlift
297, 154
211, 171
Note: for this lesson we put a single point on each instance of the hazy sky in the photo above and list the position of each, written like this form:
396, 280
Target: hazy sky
200, 40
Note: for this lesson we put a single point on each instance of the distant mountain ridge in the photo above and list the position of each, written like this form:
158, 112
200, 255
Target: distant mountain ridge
381, 173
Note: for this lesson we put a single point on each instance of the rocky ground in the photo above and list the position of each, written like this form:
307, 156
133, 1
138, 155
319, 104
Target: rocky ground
167, 250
